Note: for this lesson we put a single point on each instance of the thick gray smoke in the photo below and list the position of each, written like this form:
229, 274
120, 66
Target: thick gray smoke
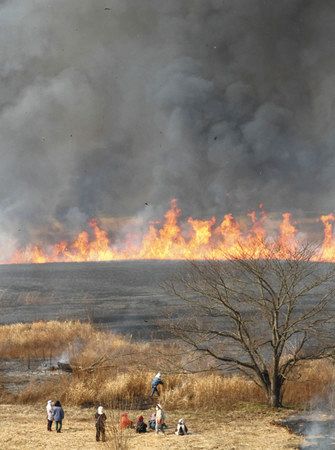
106, 105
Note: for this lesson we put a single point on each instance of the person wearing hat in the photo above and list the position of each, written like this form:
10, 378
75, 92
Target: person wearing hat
160, 418
50, 414
155, 382
100, 419
181, 429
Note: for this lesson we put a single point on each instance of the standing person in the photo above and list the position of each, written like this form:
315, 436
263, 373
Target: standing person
58, 416
50, 414
100, 419
155, 382
181, 429
160, 417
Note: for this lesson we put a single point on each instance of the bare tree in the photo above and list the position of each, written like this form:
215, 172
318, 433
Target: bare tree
261, 317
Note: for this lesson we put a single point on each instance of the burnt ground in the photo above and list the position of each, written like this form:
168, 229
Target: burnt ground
317, 428
124, 297
17, 374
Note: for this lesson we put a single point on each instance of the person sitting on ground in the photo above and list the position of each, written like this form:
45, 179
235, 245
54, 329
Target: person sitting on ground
50, 414
154, 384
152, 421
160, 419
58, 416
125, 422
100, 419
181, 429
141, 426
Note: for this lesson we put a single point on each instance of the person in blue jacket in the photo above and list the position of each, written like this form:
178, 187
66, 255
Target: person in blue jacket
154, 384
58, 416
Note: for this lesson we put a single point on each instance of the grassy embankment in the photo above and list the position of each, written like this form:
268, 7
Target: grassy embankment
116, 372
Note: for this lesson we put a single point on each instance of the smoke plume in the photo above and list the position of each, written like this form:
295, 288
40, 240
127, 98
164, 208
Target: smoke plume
107, 105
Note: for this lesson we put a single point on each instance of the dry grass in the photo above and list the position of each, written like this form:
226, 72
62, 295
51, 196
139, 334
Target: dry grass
42, 339
122, 380
24, 427
116, 437
311, 384
131, 390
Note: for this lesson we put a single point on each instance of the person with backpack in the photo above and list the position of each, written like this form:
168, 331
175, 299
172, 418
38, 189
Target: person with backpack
50, 414
181, 429
58, 416
141, 426
100, 419
157, 380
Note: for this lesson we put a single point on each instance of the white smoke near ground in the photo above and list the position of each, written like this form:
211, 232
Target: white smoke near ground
317, 424
108, 105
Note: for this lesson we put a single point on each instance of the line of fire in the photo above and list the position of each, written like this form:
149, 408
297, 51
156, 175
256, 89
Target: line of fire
175, 239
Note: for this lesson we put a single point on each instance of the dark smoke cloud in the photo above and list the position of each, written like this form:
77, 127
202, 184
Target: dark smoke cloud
222, 104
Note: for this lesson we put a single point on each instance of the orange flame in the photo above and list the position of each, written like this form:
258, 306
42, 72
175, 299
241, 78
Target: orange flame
174, 239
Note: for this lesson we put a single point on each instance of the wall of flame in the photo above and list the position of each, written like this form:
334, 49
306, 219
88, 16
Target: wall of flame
171, 239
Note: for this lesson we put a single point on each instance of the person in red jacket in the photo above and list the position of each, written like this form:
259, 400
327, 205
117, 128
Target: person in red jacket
125, 422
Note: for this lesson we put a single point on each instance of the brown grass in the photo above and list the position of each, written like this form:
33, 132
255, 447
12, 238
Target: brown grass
311, 384
116, 437
24, 427
122, 378
131, 390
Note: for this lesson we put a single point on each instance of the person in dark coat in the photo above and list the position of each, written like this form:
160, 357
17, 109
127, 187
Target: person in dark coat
100, 426
58, 416
154, 384
141, 426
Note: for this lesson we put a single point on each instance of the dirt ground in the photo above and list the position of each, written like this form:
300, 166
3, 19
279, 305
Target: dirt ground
24, 427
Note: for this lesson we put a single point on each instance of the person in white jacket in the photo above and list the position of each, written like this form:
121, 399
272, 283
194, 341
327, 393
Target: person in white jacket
181, 429
50, 414
160, 419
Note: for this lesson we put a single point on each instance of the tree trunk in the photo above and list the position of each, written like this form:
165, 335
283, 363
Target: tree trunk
275, 399
275, 394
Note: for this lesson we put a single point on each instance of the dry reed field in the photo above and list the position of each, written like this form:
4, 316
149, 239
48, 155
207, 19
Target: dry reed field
116, 372
24, 427
222, 411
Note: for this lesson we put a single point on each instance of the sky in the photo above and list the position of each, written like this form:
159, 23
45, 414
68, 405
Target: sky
108, 105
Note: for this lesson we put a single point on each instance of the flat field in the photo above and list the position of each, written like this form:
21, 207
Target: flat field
24, 427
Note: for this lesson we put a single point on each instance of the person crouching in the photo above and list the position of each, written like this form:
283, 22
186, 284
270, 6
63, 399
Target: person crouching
100, 419
152, 421
125, 422
181, 429
141, 426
